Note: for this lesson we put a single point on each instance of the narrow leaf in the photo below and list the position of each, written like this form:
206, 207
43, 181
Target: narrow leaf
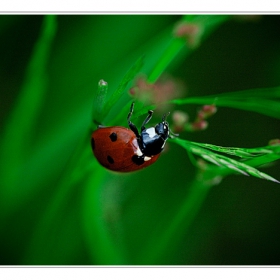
226, 162
264, 101
240, 152
132, 72
99, 101
19, 127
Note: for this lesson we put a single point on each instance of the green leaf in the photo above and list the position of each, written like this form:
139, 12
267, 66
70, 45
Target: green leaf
21, 122
239, 152
99, 101
207, 23
132, 72
265, 101
230, 164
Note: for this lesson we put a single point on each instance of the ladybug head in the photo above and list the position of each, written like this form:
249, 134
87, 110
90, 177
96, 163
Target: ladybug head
163, 129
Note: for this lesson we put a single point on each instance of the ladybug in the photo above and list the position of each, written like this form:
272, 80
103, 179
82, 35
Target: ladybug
124, 150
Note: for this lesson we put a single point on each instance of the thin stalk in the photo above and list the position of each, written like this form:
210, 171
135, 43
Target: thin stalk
15, 146
102, 247
207, 24
158, 247
74, 172
175, 46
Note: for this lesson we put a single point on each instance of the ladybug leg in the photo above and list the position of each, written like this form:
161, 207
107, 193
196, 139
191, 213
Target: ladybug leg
138, 160
150, 114
131, 124
134, 129
130, 112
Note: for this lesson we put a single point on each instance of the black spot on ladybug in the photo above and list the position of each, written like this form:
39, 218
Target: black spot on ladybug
138, 160
113, 137
110, 159
92, 143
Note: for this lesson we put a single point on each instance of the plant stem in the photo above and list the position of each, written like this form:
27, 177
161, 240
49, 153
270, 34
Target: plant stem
175, 46
103, 249
158, 247
52, 218
207, 23
15, 143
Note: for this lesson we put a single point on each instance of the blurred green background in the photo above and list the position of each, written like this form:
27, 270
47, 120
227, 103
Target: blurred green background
58, 207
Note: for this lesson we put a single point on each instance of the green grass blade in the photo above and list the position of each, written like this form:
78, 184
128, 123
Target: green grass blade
207, 24
19, 127
264, 101
162, 243
239, 152
100, 242
99, 101
229, 163
129, 76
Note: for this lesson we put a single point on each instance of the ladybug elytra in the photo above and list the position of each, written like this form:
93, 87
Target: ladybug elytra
121, 149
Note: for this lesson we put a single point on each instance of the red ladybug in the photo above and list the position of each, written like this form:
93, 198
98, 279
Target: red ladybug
121, 149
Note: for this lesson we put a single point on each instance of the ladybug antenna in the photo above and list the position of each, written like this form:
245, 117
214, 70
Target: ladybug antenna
164, 117
172, 134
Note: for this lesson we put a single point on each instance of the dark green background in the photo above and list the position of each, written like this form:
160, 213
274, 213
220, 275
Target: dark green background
238, 224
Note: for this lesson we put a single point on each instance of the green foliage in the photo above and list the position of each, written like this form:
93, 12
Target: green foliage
230, 164
99, 101
19, 128
206, 23
263, 101
103, 102
60, 207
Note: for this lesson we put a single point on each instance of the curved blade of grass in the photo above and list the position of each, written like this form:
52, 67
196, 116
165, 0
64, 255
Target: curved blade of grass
101, 246
226, 162
236, 166
161, 243
264, 159
112, 99
264, 101
239, 152
51, 219
99, 101
207, 23
19, 127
